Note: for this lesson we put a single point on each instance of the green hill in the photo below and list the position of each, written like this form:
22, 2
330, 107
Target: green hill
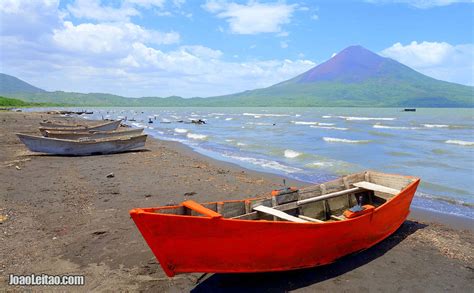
11, 85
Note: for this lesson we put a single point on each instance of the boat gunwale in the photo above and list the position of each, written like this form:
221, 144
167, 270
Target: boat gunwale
85, 141
60, 125
92, 131
153, 211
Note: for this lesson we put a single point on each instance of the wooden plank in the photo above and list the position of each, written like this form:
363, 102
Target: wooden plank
329, 195
334, 217
310, 219
279, 214
249, 216
274, 203
376, 187
295, 204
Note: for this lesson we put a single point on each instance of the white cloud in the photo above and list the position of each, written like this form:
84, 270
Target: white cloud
253, 18
93, 9
440, 60
108, 37
117, 56
148, 3
422, 4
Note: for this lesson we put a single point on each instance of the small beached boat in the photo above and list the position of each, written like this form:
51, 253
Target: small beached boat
82, 146
92, 134
102, 126
107, 126
292, 229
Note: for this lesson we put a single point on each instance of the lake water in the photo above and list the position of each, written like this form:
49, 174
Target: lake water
318, 144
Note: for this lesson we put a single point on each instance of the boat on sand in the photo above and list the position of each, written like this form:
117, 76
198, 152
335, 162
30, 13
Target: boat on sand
105, 126
92, 133
82, 146
291, 229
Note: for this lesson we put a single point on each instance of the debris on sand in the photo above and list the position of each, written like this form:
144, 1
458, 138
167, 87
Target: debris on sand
3, 218
190, 193
17, 167
111, 175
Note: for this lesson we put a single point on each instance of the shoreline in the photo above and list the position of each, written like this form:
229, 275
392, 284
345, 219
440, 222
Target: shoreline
65, 216
416, 213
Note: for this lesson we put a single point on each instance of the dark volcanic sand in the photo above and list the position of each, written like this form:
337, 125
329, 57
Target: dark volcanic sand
64, 216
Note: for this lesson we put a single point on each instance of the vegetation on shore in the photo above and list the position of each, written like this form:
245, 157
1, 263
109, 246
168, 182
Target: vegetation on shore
10, 102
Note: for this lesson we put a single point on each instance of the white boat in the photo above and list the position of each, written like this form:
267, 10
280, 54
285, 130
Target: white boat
106, 126
82, 146
92, 134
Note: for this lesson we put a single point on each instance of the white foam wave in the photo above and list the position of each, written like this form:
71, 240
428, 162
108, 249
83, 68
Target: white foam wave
326, 124
259, 123
351, 118
320, 164
436, 125
305, 122
329, 127
228, 119
327, 116
266, 164
291, 154
333, 139
196, 136
180, 130
241, 144
460, 142
394, 127
265, 115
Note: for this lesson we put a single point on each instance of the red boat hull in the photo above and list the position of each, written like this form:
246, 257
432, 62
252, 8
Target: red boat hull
184, 244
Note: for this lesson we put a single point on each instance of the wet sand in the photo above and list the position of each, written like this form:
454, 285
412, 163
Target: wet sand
63, 215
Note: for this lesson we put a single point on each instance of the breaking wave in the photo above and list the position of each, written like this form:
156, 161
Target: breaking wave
305, 122
343, 140
350, 118
196, 136
180, 130
265, 115
291, 154
265, 163
329, 127
460, 142
395, 127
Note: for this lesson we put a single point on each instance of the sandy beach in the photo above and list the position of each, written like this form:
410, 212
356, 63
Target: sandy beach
64, 215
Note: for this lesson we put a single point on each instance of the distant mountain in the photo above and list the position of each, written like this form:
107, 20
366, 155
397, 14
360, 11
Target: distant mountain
11, 85
356, 77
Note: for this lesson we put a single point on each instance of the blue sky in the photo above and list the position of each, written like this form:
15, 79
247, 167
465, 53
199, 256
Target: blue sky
205, 48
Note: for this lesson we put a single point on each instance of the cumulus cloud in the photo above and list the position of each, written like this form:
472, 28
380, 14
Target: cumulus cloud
422, 4
112, 54
440, 60
252, 18
93, 9
108, 37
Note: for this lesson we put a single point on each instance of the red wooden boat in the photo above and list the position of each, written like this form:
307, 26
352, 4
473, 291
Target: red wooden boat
291, 229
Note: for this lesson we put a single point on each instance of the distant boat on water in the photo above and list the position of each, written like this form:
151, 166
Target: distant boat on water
409, 110
81, 147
